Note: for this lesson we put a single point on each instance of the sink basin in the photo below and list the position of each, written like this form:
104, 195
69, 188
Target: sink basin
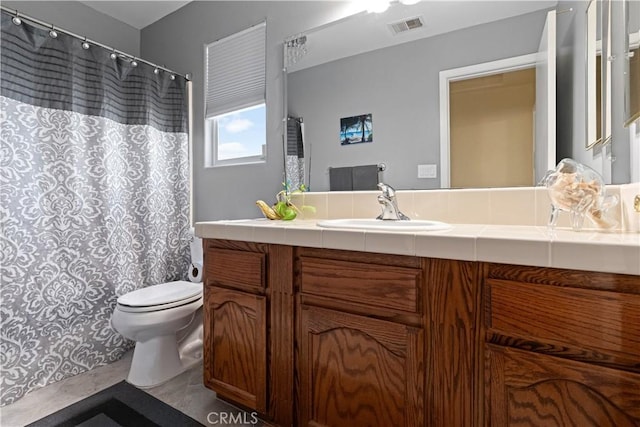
377, 224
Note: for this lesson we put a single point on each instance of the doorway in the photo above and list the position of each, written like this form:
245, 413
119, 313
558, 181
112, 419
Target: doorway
491, 125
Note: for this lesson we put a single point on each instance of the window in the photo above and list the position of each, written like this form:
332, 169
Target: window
235, 107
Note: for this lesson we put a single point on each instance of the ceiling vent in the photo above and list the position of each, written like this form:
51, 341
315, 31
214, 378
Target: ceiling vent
406, 25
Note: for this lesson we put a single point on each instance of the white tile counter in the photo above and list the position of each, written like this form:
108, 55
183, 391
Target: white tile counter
507, 244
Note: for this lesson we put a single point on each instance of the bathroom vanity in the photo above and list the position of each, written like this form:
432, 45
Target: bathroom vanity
345, 327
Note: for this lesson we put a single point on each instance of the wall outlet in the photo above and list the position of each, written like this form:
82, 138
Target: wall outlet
427, 171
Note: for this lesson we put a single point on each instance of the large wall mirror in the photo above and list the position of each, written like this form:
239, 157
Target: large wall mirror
433, 81
493, 59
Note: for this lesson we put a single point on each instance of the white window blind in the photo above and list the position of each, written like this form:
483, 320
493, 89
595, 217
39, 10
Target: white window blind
235, 71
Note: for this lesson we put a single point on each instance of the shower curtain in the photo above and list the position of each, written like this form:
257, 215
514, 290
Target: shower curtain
294, 161
94, 199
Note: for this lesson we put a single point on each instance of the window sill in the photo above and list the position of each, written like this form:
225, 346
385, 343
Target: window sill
236, 162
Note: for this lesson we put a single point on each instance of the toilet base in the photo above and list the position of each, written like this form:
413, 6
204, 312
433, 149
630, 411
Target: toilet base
158, 360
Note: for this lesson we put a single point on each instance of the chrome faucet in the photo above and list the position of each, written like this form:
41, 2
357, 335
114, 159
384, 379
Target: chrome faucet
387, 199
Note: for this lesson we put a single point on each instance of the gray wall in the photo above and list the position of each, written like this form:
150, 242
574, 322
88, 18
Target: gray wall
178, 42
84, 21
399, 85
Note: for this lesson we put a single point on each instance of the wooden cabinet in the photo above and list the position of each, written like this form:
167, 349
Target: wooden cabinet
248, 332
361, 339
563, 348
359, 371
236, 355
454, 349
318, 337
531, 389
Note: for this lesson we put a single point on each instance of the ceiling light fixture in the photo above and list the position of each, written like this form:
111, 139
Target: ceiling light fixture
378, 6
16, 19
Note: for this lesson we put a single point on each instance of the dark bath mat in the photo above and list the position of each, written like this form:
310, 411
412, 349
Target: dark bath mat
121, 405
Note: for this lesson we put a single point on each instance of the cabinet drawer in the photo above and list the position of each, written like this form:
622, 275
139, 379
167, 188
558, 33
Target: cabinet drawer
225, 267
377, 285
582, 323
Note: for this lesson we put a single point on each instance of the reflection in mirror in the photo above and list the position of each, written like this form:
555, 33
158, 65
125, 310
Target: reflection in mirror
479, 103
397, 81
502, 114
594, 74
632, 63
632, 87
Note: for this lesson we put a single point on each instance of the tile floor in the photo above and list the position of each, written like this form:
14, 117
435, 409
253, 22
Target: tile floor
185, 393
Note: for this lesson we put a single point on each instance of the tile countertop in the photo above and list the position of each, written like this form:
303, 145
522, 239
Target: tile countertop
507, 244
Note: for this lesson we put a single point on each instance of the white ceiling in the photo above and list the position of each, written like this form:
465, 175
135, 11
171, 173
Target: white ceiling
138, 14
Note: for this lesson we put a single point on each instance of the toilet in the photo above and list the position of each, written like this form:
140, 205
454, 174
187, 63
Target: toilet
165, 321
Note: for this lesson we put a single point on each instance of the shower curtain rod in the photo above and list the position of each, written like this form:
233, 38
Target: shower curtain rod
17, 14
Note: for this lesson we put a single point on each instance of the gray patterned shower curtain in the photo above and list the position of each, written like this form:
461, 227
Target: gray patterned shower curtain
94, 200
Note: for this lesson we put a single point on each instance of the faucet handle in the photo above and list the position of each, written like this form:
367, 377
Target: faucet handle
387, 190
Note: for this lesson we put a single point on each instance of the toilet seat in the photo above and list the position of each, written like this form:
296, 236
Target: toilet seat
160, 297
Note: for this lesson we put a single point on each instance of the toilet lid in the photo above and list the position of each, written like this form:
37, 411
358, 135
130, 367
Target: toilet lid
162, 294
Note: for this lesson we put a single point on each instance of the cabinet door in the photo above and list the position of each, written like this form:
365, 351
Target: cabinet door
531, 389
235, 353
358, 371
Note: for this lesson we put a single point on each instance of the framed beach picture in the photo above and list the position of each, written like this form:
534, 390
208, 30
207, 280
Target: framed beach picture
356, 129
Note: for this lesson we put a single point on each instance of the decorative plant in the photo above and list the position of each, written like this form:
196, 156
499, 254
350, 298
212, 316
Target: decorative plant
284, 209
